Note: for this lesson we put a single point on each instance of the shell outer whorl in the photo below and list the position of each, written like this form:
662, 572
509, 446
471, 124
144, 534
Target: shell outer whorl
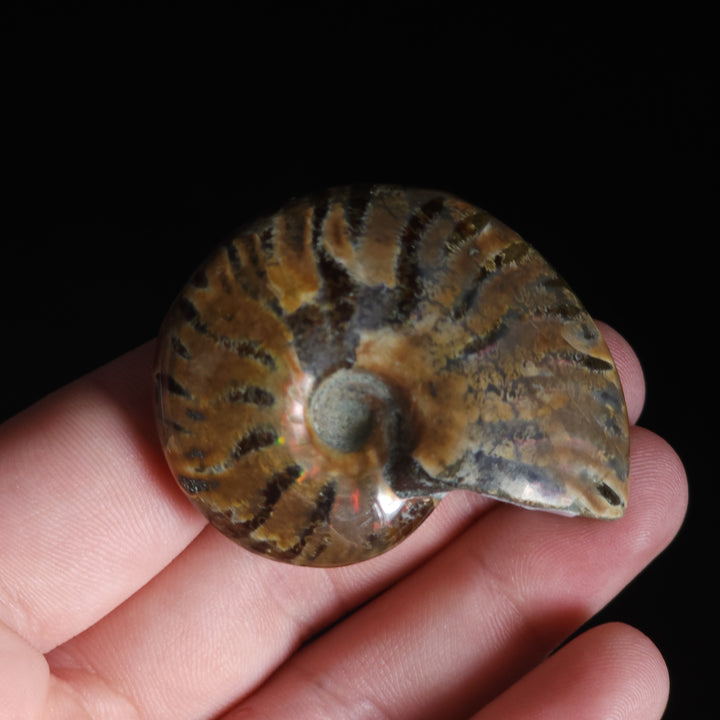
334, 369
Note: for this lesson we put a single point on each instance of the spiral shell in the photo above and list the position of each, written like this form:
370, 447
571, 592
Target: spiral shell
336, 368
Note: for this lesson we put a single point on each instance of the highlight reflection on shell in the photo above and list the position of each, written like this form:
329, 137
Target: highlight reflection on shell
335, 369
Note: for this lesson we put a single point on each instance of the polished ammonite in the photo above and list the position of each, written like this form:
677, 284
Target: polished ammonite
336, 368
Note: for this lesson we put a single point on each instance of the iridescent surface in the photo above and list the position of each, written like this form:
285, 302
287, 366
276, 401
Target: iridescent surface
326, 376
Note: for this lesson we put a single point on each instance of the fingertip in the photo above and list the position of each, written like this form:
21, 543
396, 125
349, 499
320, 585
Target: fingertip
660, 481
612, 670
645, 660
643, 682
629, 369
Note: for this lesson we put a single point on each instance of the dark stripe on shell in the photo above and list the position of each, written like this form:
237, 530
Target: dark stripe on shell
252, 349
273, 491
256, 439
609, 494
319, 213
267, 243
179, 347
408, 277
478, 344
356, 208
199, 279
193, 486
234, 259
191, 315
173, 425
175, 387
465, 230
251, 395
320, 515
564, 310
591, 363
248, 241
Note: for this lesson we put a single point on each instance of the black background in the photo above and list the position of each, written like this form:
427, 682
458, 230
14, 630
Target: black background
140, 135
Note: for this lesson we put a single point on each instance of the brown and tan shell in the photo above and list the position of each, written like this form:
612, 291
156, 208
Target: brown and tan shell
335, 369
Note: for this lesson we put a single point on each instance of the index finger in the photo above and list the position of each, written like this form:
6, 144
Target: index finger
89, 512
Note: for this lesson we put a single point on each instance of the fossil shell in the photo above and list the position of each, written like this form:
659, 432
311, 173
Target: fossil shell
336, 368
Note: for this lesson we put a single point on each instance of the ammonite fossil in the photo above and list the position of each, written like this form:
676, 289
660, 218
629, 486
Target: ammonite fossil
336, 368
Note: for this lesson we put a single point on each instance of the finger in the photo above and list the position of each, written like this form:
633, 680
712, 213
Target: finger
484, 611
87, 498
24, 677
629, 369
514, 579
612, 671
233, 617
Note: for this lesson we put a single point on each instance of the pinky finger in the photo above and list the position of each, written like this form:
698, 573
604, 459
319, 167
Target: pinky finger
611, 671
24, 677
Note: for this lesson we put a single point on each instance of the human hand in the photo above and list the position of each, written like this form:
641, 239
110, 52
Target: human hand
117, 601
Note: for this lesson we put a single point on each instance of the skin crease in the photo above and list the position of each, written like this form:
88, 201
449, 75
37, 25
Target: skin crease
123, 604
